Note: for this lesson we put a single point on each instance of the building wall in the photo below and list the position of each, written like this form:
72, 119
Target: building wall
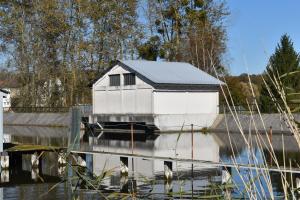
1, 121
131, 99
185, 102
169, 109
7, 100
206, 147
174, 109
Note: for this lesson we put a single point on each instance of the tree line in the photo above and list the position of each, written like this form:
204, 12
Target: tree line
56, 49
280, 80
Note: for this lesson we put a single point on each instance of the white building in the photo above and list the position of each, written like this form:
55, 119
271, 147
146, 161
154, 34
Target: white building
3, 94
206, 147
6, 100
164, 94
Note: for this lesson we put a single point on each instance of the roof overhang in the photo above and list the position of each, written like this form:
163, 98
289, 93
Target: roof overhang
186, 87
166, 86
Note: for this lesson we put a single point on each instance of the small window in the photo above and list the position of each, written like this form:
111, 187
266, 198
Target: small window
114, 80
129, 79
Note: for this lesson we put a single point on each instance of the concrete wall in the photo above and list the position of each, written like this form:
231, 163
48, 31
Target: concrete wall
175, 122
253, 122
37, 119
130, 99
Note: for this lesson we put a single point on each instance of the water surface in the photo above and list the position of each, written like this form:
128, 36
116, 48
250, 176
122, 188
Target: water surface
146, 167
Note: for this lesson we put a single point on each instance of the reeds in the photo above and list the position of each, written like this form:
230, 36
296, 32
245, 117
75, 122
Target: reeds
252, 183
257, 183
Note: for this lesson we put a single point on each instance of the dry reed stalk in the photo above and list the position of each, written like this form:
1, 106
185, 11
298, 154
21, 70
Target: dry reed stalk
253, 191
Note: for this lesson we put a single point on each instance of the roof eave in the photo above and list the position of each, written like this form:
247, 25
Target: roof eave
187, 87
4, 91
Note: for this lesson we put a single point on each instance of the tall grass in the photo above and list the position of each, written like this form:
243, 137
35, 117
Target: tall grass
257, 183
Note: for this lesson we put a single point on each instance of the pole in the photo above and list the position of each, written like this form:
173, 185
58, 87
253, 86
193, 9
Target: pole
132, 162
131, 128
270, 138
192, 132
192, 180
270, 134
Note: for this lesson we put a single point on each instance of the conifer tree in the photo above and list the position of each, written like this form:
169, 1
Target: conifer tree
284, 61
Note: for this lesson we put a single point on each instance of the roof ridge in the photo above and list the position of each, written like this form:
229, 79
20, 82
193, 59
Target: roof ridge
164, 72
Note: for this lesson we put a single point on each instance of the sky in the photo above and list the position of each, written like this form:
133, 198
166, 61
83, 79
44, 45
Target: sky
254, 28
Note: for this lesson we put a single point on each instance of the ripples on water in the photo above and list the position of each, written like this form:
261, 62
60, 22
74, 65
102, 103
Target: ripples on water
146, 169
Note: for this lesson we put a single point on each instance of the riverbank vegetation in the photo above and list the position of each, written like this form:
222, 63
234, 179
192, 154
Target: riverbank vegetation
56, 49
283, 65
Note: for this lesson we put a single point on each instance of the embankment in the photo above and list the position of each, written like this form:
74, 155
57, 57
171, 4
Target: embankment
37, 119
254, 123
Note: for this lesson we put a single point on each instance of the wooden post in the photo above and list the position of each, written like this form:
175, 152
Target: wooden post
131, 128
270, 134
124, 166
132, 161
168, 170
270, 138
192, 180
192, 132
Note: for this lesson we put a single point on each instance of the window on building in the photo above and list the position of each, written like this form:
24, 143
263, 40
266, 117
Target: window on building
129, 79
114, 80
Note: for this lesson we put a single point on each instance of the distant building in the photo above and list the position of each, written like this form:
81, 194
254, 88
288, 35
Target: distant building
6, 100
12, 86
164, 94
3, 94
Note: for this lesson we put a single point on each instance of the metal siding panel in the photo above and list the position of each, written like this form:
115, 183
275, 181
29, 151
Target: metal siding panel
171, 72
128, 101
185, 102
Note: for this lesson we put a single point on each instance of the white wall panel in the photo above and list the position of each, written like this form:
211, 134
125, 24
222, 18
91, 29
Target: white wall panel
144, 100
185, 102
130, 99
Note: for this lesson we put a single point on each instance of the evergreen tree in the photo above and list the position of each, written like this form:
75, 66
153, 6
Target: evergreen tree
284, 61
150, 49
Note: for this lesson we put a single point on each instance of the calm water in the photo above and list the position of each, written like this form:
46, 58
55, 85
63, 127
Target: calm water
146, 168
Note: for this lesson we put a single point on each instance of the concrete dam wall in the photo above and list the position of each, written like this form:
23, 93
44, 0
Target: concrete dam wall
37, 119
254, 122
221, 124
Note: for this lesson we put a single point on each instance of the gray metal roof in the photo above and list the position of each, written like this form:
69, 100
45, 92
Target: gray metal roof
171, 72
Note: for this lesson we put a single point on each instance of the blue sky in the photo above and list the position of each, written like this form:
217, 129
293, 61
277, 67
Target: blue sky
254, 29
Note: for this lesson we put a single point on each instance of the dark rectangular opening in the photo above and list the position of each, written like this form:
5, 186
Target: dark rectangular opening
114, 80
129, 79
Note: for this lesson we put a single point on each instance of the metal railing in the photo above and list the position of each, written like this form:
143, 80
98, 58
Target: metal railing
37, 109
238, 108
85, 109
241, 109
